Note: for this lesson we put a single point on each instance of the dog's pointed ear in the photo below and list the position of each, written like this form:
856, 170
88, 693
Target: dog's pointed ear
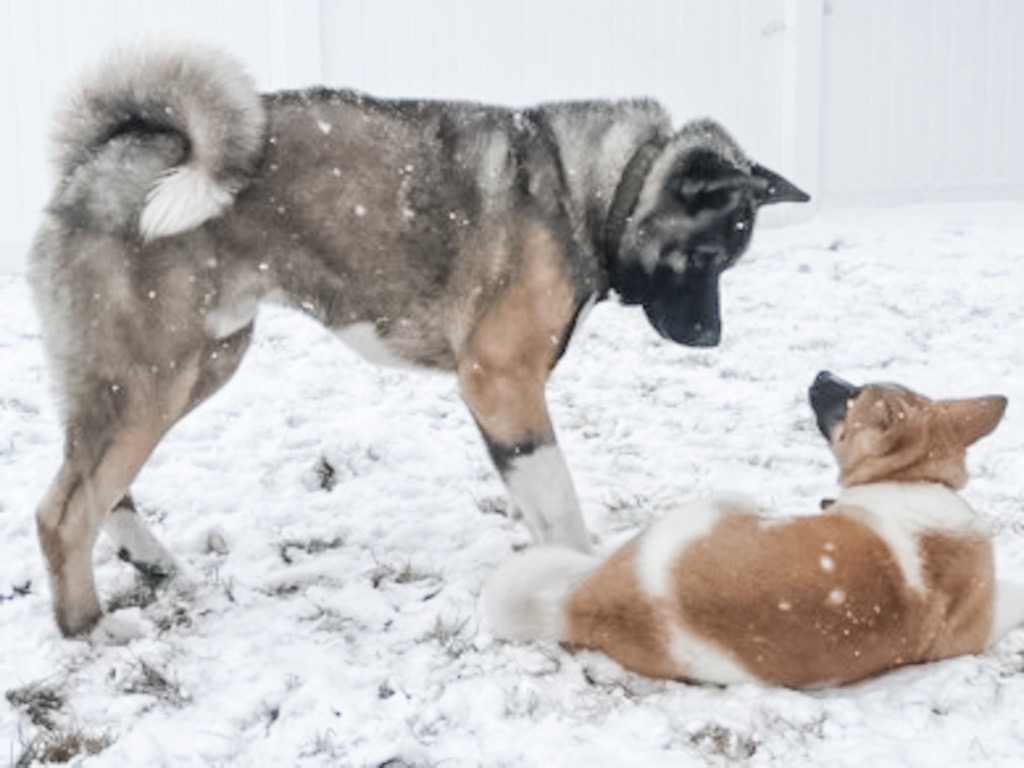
776, 189
973, 419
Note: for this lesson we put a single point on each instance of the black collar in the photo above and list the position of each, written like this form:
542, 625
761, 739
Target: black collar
627, 193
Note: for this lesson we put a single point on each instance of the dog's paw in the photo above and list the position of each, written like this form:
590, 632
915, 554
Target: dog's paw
153, 574
731, 502
120, 628
182, 585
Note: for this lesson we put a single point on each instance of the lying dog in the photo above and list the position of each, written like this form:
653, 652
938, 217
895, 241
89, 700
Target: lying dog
897, 570
453, 236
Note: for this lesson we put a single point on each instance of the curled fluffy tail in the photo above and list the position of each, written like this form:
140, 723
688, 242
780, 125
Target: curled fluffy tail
201, 94
525, 598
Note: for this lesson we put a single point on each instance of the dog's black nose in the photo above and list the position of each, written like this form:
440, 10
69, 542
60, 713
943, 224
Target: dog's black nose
684, 308
685, 331
829, 395
704, 337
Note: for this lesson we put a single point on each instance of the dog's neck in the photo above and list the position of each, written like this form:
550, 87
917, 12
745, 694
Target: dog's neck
627, 193
928, 505
596, 143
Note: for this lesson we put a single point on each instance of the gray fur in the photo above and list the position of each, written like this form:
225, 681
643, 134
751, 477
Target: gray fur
405, 217
196, 92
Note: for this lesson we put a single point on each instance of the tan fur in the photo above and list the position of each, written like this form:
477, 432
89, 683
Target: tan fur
504, 364
771, 595
609, 612
70, 519
974, 418
892, 434
960, 576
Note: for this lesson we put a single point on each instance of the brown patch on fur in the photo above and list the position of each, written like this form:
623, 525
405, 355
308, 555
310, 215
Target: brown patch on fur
610, 612
504, 364
892, 434
810, 601
960, 576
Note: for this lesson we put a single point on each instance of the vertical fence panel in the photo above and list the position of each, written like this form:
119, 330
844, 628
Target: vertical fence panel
726, 59
862, 101
923, 99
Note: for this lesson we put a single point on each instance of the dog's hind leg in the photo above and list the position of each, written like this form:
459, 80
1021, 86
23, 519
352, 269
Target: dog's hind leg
100, 462
134, 541
71, 515
112, 427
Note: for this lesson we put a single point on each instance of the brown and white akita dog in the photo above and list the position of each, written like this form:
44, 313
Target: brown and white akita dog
897, 570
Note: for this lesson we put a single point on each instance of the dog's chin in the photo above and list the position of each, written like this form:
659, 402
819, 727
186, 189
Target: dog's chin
685, 308
681, 325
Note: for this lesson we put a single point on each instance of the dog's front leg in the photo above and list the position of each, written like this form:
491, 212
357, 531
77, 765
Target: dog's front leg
503, 365
510, 410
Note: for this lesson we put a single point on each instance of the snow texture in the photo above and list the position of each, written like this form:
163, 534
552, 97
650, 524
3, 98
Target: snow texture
335, 523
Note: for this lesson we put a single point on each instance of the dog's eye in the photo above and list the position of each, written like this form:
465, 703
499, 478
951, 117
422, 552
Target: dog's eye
701, 194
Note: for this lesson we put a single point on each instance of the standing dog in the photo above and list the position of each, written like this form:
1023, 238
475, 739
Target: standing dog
453, 236
898, 570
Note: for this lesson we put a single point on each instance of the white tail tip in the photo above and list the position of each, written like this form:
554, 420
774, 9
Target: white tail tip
182, 199
525, 597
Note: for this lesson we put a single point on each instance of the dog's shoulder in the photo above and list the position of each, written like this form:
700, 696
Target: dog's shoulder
905, 515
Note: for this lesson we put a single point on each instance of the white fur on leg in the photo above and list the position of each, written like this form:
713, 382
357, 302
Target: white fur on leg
525, 597
131, 536
182, 199
1008, 610
541, 489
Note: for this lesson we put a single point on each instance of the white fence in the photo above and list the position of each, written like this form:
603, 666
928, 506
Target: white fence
859, 101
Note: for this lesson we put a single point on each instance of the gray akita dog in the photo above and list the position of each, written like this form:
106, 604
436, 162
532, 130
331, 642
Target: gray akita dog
454, 236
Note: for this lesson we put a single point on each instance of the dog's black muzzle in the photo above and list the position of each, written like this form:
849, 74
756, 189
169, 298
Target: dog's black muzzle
829, 395
685, 308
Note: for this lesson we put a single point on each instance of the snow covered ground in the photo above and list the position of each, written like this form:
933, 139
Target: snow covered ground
336, 522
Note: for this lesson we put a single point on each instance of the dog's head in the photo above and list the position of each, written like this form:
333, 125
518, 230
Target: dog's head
683, 214
884, 432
